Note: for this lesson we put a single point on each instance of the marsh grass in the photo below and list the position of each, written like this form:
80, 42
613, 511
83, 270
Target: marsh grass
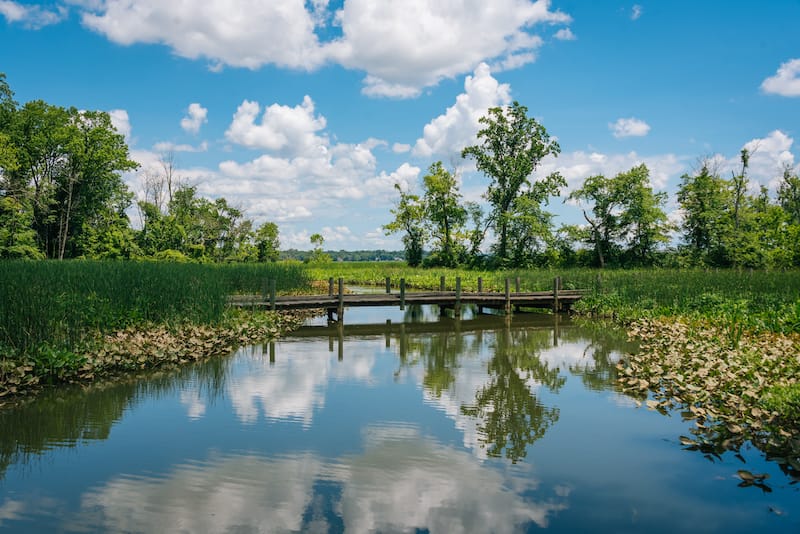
49, 307
739, 300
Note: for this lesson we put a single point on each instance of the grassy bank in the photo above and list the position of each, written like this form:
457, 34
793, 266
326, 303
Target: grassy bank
54, 314
759, 300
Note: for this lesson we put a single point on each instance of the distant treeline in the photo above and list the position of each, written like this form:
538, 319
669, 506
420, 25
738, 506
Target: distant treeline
344, 255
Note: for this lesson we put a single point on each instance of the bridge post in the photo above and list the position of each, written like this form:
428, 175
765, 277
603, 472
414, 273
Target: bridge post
480, 290
441, 283
388, 285
340, 309
516, 285
272, 291
330, 286
402, 293
508, 297
556, 287
457, 308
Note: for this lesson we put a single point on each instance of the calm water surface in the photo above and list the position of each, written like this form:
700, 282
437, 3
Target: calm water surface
418, 425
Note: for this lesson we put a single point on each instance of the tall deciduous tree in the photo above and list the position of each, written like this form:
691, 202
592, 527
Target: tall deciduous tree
267, 243
512, 145
67, 169
704, 199
644, 220
445, 214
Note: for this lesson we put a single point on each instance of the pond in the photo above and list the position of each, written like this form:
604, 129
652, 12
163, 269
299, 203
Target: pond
398, 422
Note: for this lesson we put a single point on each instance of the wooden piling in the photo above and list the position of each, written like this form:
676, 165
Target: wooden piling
330, 286
340, 309
516, 284
388, 285
441, 283
272, 292
508, 297
457, 308
480, 284
402, 293
556, 287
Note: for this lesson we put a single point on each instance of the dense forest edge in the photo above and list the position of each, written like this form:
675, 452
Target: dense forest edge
133, 298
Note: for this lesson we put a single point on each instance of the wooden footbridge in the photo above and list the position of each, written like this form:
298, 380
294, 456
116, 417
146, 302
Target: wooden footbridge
558, 300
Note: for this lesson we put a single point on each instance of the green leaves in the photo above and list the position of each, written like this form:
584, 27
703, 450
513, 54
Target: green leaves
512, 147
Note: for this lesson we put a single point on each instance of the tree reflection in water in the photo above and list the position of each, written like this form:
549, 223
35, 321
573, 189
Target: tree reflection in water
71, 415
508, 411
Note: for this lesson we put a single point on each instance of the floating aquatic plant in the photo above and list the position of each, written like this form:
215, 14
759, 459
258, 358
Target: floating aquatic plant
734, 393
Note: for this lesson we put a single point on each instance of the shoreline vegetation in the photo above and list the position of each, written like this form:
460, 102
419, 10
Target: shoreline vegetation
76, 321
720, 346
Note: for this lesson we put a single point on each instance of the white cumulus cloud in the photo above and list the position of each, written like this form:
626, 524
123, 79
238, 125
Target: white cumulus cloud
578, 165
565, 34
768, 157
402, 47
282, 128
32, 17
448, 134
636, 12
785, 82
630, 127
196, 117
121, 122
239, 33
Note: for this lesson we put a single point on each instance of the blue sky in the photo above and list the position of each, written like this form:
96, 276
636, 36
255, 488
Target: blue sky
306, 113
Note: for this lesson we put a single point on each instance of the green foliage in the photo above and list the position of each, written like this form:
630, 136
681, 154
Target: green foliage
409, 217
318, 255
60, 305
628, 222
267, 243
444, 214
512, 145
17, 238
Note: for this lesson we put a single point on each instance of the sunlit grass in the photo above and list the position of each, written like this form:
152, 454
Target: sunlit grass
56, 304
767, 300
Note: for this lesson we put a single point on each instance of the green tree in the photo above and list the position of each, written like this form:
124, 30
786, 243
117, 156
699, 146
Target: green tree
267, 242
604, 226
512, 146
317, 255
409, 217
107, 234
445, 215
644, 220
627, 221
17, 238
704, 199
67, 165
90, 184
789, 195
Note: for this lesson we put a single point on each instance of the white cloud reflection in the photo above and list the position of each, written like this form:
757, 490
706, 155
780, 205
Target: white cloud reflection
403, 481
